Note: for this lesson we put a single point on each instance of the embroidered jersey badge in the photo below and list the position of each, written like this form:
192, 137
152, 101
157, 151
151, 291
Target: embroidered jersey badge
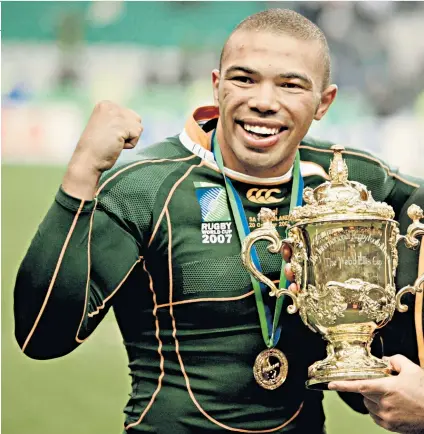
264, 195
216, 223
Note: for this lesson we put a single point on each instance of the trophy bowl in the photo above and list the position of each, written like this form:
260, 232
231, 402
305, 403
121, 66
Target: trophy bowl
344, 258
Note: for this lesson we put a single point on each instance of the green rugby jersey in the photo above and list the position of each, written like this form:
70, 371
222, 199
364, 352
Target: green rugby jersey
159, 245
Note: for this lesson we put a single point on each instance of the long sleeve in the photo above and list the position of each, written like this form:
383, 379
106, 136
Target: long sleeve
75, 263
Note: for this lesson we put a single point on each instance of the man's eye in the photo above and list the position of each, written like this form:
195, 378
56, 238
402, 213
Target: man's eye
243, 79
291, 85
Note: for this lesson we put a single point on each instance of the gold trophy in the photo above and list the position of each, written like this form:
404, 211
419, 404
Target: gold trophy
344, 258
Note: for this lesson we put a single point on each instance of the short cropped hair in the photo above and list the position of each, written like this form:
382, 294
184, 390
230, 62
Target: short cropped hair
290, 23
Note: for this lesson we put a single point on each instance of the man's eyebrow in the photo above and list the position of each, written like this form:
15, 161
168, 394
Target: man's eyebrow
286, 75
237, 68
290, 75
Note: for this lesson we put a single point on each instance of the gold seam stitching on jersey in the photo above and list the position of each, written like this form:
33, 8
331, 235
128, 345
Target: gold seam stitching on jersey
386, 168
55, 273
87, 283
207, 299
210, 299
162, 160
161, 357
103, 305
169, 197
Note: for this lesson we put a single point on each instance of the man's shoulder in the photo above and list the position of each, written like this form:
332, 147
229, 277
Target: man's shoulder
320, 151
379, 176
152, 163
170, 148
385, 182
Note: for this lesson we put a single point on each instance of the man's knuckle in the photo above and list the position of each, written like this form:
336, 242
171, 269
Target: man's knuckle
363, 388
121, 132
386, 405
388, 418
104, 104
131, 114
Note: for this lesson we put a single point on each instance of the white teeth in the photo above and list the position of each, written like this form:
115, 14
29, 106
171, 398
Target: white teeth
261, 130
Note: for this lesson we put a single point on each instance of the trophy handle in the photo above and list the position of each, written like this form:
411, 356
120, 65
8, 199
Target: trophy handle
267, 232
415, 229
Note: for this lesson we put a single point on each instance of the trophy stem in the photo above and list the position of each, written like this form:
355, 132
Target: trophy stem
348, 357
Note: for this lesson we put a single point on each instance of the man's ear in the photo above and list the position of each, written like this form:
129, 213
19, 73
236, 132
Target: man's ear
327, 98
215, 85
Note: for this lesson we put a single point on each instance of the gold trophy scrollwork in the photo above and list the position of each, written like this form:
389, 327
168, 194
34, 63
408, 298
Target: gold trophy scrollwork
344, 258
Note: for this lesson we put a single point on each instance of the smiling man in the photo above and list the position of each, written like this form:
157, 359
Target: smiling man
273, 81
159, 239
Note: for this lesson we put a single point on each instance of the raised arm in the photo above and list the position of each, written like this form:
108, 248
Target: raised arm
80, 255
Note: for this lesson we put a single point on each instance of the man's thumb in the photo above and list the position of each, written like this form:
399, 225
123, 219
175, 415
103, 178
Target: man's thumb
399, 362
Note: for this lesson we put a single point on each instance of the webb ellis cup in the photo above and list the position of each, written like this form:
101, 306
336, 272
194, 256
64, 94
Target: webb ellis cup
344, 257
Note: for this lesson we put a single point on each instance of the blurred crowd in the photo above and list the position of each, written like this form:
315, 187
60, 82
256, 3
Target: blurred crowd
156, 57
377, 49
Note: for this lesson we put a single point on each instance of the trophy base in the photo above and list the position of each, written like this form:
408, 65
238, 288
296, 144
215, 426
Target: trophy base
321, 382
348, 358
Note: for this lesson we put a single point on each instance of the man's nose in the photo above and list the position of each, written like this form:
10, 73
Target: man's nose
265, 99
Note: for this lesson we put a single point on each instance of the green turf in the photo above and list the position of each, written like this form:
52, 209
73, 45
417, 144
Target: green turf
84, 392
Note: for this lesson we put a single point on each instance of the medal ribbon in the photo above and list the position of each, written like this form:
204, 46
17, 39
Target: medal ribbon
271, 331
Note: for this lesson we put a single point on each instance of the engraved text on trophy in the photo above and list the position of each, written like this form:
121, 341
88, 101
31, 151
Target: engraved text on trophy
350, 271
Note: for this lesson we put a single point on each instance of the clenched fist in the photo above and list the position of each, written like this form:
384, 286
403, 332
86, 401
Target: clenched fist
110, 129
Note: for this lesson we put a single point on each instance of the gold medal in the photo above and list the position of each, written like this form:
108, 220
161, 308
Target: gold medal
270, 368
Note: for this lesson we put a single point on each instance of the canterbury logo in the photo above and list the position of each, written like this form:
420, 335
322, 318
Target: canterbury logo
263, 195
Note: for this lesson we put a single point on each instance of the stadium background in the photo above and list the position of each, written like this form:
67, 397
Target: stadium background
60, 58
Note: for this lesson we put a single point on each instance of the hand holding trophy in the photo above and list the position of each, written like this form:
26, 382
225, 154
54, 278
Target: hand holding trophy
344, 259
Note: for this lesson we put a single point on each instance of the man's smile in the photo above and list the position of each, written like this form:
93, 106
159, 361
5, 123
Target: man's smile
261, 133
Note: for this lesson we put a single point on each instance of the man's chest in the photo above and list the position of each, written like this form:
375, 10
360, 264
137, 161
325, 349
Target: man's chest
196, 247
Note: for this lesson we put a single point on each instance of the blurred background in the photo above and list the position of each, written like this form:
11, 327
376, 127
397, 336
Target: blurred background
60, 58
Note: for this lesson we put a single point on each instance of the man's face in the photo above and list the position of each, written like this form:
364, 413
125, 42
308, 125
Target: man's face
268, 91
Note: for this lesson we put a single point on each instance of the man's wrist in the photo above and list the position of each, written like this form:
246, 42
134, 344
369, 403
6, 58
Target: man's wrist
81, 180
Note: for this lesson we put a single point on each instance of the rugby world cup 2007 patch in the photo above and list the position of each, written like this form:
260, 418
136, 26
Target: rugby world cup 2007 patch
216, 223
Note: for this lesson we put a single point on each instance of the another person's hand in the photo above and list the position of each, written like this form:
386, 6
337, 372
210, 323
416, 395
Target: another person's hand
286, 253
395, 403
110, 129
